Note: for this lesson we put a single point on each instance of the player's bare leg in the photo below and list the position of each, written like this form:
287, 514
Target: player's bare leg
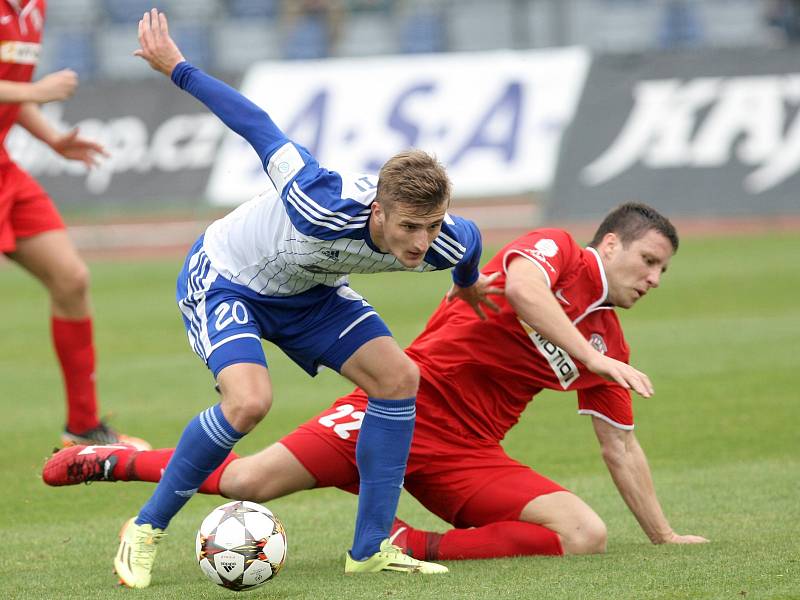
581, 530
271, 473
552, 524
52, 258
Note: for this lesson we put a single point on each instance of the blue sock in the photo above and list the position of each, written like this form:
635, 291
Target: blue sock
381, 454
206, 441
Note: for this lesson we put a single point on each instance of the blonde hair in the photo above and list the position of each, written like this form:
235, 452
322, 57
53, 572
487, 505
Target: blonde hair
414, 178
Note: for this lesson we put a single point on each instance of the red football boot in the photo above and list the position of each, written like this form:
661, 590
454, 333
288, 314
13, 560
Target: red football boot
85, 464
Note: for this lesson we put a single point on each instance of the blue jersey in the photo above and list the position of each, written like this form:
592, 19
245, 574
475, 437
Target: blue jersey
313, 227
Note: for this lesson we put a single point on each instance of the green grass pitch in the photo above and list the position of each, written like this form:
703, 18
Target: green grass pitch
719, 340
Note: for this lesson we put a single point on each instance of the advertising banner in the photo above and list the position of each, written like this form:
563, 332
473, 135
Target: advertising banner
697, 133
162, 143
494, 119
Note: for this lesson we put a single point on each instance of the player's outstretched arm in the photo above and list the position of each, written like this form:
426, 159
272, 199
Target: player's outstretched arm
630, 471
50, 88
233, 109
533, 300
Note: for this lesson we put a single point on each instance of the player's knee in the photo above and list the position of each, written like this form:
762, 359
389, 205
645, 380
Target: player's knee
588, 537
243, 484
402, 381
246, 408
71, 285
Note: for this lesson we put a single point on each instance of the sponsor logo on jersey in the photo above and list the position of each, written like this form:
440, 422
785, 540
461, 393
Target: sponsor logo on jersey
330, 254
542, 250
284, 165
560, 362
20, 53
598, 343
560, 295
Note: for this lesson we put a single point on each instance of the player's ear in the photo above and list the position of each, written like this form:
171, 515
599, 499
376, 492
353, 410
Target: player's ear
609, 244
378, 212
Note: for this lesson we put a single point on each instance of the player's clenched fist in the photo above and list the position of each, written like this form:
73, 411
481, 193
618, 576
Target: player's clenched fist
56, 86
157, 47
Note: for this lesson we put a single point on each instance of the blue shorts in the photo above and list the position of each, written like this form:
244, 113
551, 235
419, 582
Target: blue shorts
226, 321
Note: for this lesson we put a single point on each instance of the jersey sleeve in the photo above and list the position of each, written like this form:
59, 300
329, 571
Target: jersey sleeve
235, 110
318, 201
611, 403
458, 246
552, 250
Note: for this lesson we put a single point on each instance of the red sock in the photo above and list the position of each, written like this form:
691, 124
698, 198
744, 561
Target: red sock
149, 465
75, 351
498, 540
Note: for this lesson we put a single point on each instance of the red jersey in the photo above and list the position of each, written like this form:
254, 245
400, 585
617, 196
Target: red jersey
21, 24
484, 373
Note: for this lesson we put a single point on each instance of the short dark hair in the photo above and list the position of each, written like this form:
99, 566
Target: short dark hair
631, 221
414, 178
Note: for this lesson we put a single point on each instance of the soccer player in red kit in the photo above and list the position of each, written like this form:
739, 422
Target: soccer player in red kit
557, 329
31, 231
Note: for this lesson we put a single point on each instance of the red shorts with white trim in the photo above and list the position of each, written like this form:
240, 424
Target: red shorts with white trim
25, 208
465, 485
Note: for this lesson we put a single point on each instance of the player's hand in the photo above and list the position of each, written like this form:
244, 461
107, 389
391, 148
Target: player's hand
157, 47
478, 294
622, 373
72, 146
60, 85
674, 538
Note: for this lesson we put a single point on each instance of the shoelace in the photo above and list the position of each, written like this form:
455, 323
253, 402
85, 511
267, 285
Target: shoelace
86, 471
396, 553
145, 547
395, 534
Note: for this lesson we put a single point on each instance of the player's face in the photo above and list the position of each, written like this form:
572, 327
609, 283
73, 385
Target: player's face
633, 270
404, 232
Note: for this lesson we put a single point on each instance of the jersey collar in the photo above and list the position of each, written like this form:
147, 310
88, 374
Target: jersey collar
599, 274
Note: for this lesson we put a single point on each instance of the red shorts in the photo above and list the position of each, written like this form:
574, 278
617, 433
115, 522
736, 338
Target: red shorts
465, 485
25, 208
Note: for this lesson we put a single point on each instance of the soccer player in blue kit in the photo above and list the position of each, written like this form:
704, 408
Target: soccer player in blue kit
276, 268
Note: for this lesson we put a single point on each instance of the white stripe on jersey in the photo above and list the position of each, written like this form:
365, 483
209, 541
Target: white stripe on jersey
258, 246
446, 238
444, 251
329, 222
326, 211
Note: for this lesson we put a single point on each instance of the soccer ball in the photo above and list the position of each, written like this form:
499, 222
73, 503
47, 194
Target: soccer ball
241, 545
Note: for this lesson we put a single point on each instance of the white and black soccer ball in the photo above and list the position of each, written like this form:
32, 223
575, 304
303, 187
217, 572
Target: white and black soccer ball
241, 545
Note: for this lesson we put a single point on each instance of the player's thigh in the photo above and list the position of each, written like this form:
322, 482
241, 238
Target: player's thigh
271, 473
381, 368
326, 444
52, 258
26, 210
471, 487
221, 324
